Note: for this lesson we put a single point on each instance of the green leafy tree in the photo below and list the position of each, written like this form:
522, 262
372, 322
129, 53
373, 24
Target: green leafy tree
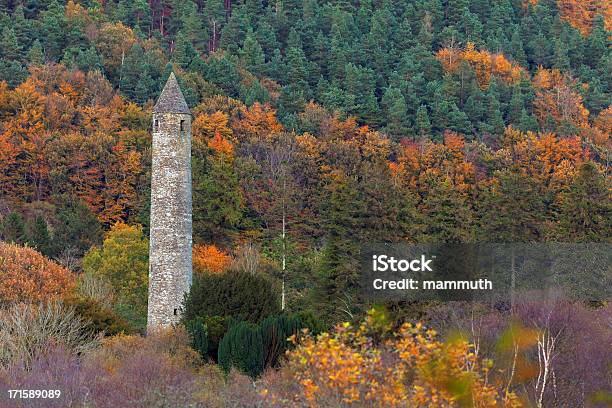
123, 262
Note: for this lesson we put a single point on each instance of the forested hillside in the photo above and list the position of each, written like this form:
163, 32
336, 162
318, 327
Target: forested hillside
413, 120
317, 126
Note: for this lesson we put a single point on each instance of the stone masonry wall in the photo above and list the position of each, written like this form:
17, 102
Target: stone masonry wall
170, 267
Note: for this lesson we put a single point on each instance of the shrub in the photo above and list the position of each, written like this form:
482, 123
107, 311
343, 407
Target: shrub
580, 356
26, 330
240, 295
252, 348
408, 368
53, 368
199, 335
96, 288
242, 347
125, 371
27, 276
275, 332
97, 317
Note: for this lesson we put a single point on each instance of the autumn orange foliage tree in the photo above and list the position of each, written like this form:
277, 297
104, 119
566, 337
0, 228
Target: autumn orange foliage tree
556, 97
66, 132
27, 276
209, 258
257, 123
484, 63
580, 13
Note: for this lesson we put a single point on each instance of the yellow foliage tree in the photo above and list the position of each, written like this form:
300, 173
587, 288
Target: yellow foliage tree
123, 262
408, 368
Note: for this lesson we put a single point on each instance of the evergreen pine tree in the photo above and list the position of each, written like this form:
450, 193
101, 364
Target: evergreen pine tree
38, 235
9, 46
423, 125
395, 111
338, 271
517, 49
252, 55
517, 106
561, 60
448, 217
193, 28
53, 28
217, 200
13, 228
585, 210
35, 56
512, 210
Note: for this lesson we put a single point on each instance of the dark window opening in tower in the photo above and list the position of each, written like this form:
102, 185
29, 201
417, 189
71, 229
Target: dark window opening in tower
175, 312
182, 125
156, 124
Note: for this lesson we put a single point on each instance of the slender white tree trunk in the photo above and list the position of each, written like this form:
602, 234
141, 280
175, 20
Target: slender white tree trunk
284, 255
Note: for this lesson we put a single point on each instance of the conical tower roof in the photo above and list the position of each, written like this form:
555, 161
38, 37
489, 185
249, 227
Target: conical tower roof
171, 99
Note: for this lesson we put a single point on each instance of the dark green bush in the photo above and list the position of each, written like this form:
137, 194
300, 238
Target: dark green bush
242, 347
239, 295
198, 332
275, 330
252, 348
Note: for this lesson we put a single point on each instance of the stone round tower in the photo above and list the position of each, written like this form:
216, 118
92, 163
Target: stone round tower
170, 268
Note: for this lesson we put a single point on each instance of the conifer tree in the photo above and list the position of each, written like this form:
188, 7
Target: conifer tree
512, 209
13, 228
217, 199
585, 210
516, 106
53, 27
395, 111
338, 271
447, 214
38, 235
423, 125
9, 46
517, 49
192, 27
35, 56
252, 55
